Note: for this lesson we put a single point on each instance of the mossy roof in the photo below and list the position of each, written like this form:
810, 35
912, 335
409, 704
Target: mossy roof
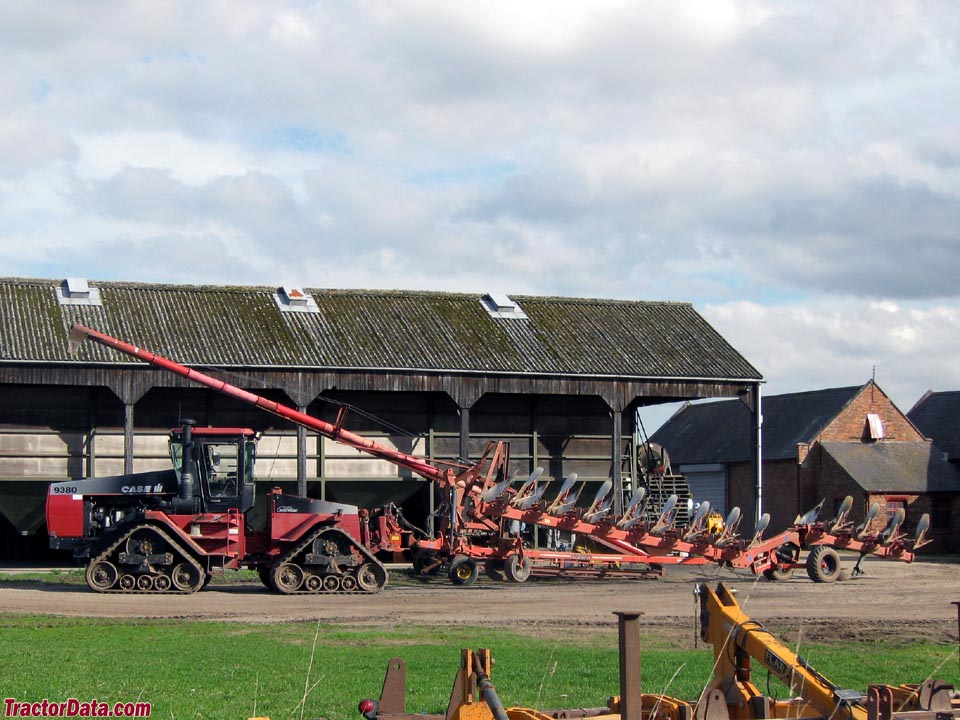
232, 326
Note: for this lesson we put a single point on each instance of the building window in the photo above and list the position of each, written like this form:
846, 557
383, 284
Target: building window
874, 426
893, 505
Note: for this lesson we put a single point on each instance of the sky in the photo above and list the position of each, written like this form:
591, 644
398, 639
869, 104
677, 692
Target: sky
790, 168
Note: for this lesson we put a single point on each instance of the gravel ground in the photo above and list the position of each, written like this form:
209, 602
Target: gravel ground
893, 601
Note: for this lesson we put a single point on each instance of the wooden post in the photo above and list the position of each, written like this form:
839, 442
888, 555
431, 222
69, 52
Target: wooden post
628, 630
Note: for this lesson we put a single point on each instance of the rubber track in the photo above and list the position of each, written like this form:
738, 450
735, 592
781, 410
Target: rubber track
137, 591
313, 536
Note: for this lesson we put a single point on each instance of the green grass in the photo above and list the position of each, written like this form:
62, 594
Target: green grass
226, 670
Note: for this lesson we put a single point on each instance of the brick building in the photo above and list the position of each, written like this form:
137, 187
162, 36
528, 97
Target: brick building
818, 445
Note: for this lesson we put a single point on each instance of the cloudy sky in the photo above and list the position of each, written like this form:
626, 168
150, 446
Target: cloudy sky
792, 169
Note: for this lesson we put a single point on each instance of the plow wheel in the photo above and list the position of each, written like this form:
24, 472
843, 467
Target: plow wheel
517, 568
823, 564
463, 570
287, 577
186, 578
786, 553
494, 570
371, 577
101, 576
425, 563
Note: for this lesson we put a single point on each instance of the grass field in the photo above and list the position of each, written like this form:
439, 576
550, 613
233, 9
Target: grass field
233, 671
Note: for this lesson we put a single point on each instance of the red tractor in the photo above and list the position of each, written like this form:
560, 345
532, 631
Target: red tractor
166, 531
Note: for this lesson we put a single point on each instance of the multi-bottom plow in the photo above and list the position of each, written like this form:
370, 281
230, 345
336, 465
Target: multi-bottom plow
487, 513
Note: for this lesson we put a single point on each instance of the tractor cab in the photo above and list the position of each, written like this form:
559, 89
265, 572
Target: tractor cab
220, 468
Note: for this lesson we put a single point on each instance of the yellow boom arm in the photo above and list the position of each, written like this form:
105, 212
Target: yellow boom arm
736, 641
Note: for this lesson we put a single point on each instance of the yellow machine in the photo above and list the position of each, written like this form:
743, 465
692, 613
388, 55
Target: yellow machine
737, 642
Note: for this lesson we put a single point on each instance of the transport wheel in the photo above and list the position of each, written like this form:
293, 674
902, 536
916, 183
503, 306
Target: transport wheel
287, 577
785, 554
185, 577
425, 563
494, 570
161, 583
463, 570
517, 569
823, 564
777, 574
371, 577
101, 576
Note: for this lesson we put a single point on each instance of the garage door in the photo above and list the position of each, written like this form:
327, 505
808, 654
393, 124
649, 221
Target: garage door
707, 482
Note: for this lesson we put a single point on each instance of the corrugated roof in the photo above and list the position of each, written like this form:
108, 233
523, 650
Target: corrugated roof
720, 431
937, 416
365, 329
893, 467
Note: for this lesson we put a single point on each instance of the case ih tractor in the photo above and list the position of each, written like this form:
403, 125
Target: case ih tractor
166, 531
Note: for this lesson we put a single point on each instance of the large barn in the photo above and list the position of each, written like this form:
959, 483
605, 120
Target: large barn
438, 374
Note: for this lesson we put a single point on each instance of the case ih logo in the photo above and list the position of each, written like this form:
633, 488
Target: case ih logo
142, 489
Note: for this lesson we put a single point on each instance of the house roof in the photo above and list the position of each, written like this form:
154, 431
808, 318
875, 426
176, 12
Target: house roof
371, 329
720, 431
907, 467
936, 416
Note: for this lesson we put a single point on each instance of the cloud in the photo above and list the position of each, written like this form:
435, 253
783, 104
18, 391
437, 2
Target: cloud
781, 162
841, 342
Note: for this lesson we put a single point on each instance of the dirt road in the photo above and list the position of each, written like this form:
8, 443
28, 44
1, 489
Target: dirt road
892, 600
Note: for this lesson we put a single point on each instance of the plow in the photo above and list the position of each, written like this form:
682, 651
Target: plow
739, 644
169, 531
